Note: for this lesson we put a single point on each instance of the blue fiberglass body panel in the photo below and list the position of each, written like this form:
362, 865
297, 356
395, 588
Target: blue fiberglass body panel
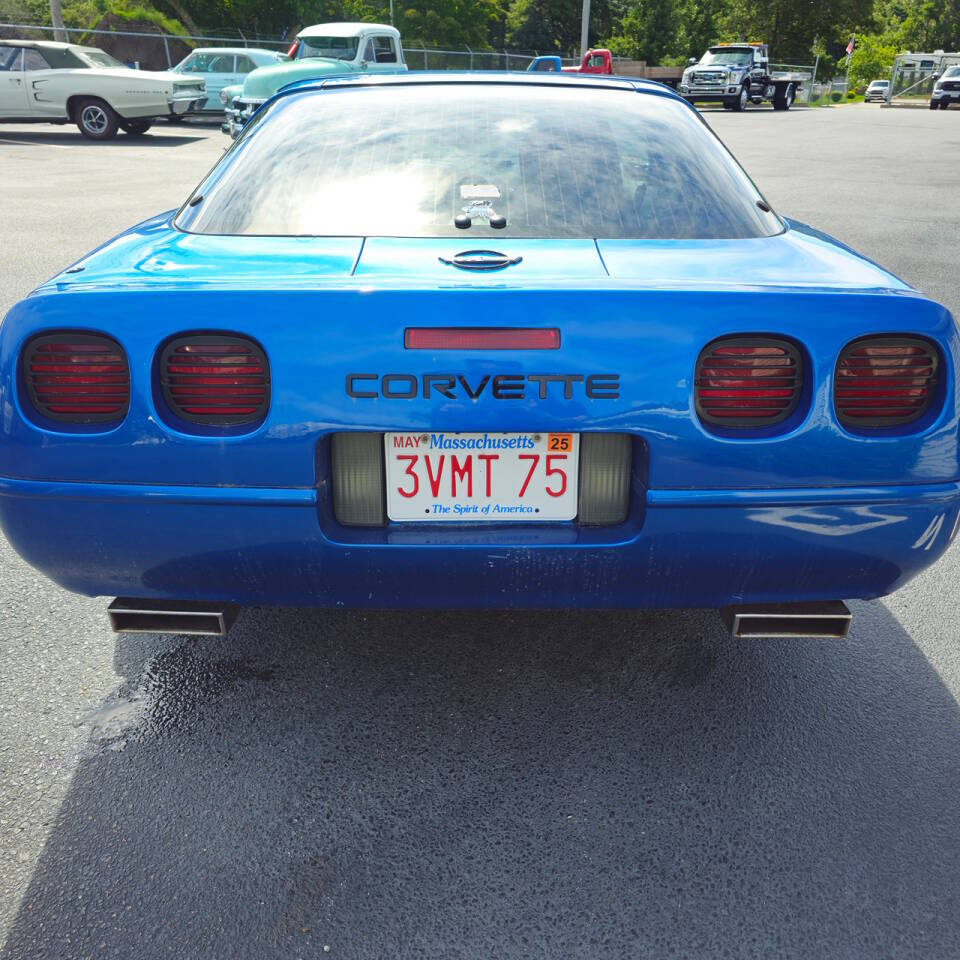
153, 507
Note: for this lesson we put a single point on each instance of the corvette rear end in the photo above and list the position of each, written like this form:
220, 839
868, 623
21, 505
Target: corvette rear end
513, 375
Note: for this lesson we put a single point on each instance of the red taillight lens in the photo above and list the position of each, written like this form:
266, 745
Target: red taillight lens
481, 338
747, 381
885, 381
77, 377
215, 379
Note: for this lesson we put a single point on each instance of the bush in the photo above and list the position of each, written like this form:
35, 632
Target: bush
150, 52
836, 96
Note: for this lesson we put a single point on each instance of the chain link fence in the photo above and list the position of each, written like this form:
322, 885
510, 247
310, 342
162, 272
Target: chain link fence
156, 50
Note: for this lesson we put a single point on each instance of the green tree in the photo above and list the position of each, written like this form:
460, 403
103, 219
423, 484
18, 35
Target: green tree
698, 28
440, 23
920, 25
661, 32
554, 25
872, 59
790, 26
648, 31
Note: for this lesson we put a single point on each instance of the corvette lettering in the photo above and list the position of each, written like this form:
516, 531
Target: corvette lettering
505, 386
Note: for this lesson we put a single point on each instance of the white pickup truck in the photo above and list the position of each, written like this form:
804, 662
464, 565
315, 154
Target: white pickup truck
65, 83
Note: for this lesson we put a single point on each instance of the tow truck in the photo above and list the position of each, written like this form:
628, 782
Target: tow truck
737, 74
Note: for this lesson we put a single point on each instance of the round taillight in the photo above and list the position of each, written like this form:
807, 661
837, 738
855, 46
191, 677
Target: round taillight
885, 381
747, 381
76, 377
215, 379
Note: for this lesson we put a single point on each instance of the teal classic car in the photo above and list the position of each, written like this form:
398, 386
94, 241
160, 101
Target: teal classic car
225, 67
323, 50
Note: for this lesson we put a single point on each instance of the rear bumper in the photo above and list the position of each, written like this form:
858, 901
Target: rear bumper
691, 548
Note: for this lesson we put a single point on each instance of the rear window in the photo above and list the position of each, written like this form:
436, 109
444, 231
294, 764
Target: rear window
100, 59
207, 63
337, 48
407, 160
63, 58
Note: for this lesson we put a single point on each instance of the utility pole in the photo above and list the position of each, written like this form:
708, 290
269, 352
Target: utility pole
584, 28
391, 13
56, 20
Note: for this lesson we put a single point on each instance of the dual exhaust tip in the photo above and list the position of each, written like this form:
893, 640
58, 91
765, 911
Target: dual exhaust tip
194, 619
829, 618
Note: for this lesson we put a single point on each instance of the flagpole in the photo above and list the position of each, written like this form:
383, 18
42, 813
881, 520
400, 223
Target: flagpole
846, 79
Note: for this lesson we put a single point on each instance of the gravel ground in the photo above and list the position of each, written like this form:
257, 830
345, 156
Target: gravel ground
435, 785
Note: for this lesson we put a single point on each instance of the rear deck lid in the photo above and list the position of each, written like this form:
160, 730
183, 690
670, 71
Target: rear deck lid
458, 261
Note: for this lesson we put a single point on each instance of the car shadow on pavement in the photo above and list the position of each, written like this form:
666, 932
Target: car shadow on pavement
76, 139
477, 784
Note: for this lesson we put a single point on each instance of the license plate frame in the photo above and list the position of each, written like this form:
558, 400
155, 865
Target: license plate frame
482, 477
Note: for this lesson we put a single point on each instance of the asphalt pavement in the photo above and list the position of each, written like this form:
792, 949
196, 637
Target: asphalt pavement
483, 784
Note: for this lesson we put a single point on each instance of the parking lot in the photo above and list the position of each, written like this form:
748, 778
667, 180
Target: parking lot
481, 784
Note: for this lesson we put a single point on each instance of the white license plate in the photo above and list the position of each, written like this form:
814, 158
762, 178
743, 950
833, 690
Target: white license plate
482, 477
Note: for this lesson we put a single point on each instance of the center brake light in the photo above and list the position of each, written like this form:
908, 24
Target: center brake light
747, 381
216, 379
481, 338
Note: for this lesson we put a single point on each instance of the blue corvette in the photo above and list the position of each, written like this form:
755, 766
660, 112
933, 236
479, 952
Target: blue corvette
478, 340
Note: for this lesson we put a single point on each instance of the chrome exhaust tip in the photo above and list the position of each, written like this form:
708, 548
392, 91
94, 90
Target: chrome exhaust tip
194, 619
828, 618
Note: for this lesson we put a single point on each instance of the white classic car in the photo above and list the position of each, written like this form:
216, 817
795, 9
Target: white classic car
65, 83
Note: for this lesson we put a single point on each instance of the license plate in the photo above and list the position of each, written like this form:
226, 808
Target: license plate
482, 477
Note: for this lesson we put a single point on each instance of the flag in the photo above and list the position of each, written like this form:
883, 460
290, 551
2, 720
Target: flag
851, 44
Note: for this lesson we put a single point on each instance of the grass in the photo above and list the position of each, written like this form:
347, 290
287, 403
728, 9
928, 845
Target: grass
825, 101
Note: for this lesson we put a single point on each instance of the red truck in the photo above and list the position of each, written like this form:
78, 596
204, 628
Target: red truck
594, 61
601, 61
